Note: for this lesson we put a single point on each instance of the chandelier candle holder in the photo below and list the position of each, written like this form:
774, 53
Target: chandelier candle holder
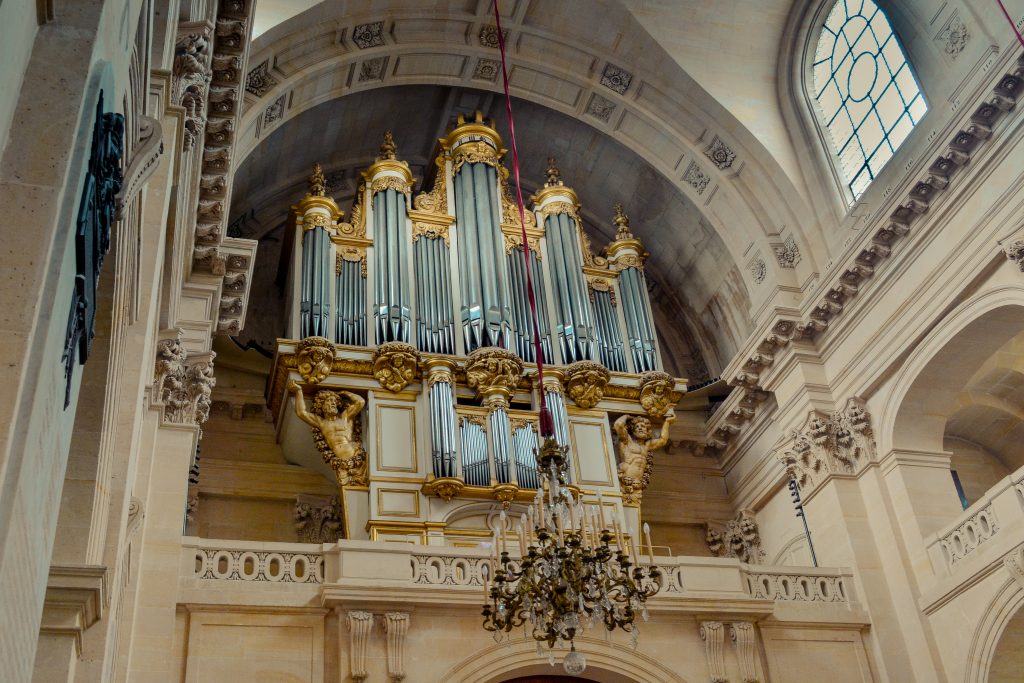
573, 571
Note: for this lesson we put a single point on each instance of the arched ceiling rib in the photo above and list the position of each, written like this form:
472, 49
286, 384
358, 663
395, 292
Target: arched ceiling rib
598, 65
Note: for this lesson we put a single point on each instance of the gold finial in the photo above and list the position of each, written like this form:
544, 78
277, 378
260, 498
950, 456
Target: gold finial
554, 176
621, 224
317, 182
387, 148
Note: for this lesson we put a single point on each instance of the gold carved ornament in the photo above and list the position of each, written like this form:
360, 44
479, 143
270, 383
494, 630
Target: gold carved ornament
572, 211
600, 284
586, 381
637, 444
336, 423
389, 182
510, 207
445, 488
490, 369
516, 242
476, 152
314, 359
395, 365
656, 395
435, 201
430, 231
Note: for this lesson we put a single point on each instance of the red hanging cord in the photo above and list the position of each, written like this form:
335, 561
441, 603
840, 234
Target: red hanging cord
547, 424
1020, 38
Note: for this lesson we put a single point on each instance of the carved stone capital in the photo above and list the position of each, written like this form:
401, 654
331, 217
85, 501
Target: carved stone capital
359, 625
170, 362
656, 393
314, 359
396, 626
1015, 252
493, 370
840, 443
737, 538
586, 381
713, 635
395, 365
317, 519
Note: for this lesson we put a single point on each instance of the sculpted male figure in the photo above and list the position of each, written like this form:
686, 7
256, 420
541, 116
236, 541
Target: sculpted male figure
336, 426
636, 446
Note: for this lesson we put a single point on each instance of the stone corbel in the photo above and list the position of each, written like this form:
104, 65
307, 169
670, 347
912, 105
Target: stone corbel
145, 160
713, 635
76, 596
745, 641
359, 624
396, 626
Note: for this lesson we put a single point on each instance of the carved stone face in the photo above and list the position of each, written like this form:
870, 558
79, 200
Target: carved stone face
640, 428
326, 404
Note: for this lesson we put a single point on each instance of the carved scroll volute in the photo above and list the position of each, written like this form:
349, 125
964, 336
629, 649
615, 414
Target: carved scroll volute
586, 381
491, 370
656, 393
315, 358
395, 365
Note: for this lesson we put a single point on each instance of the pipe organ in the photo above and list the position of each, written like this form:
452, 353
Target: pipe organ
428, 316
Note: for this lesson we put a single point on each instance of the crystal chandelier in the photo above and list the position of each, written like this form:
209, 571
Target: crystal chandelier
573, 570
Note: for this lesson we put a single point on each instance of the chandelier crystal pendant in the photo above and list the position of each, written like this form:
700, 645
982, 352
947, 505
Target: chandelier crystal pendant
573, 571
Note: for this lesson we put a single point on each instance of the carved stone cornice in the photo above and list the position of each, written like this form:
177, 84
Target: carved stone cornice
586, 381
192, 72
76, 597
214, 253
395, 365
840, 443
317, 519
737, 538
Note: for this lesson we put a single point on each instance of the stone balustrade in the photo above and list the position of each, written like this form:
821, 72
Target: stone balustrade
356, 570
991, 526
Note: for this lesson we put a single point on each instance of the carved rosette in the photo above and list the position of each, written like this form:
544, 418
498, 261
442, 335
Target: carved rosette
656, 393
737, 538
314, 359
395, 365
840, 443
492, 370
586, 381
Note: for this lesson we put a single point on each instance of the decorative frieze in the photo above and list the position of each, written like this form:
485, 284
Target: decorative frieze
258, 565
318, 519
359, 625
713, 635
737, 538
840, 443
796, 586
396, 626
192, 73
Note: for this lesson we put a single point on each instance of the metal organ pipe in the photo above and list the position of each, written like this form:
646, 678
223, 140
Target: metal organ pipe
392, 308
315, 305
613, 355
638, 322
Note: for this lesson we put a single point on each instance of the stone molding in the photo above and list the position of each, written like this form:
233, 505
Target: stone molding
359, 625
396, 626
842, 443
212, 129
317, 519
713, 635
76, 597
737, 538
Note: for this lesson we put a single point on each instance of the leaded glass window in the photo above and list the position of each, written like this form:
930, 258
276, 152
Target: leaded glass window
867, 93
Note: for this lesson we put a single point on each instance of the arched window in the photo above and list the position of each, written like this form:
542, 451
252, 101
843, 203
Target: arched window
865, 89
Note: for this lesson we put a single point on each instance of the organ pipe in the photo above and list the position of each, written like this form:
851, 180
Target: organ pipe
316, 215
609, 337
627, 255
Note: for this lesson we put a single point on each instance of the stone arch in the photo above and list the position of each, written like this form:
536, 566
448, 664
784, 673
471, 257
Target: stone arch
560, 64
606, 663
1001, 611
928, 384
